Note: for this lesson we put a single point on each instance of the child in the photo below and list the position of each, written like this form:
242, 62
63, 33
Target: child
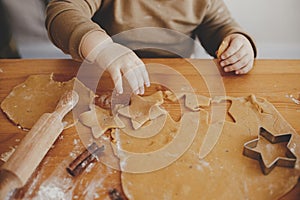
78, 27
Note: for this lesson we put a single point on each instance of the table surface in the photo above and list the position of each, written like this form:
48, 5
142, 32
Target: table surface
276, 80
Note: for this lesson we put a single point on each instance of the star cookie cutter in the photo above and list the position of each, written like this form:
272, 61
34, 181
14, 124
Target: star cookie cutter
288, 161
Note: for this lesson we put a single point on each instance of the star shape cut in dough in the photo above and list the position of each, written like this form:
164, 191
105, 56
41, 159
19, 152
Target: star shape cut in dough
100, 120
143, 109
270, 150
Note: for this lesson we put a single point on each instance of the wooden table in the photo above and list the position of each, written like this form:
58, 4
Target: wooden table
276, 80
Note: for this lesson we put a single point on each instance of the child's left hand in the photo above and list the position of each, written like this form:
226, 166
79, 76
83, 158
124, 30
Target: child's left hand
236, 54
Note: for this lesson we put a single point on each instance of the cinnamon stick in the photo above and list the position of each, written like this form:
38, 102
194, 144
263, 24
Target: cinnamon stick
114, 194
84, 159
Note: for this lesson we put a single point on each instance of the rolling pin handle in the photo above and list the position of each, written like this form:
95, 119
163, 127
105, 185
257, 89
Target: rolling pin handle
8, 183
66, 103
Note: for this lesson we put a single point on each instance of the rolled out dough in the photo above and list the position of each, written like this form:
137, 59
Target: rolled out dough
178, 139
40, 94
225, 173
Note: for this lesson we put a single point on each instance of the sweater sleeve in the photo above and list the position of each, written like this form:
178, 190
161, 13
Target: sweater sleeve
218, 24
68, 22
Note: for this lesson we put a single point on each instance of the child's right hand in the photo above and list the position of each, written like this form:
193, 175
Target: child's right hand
120, 61
117, 59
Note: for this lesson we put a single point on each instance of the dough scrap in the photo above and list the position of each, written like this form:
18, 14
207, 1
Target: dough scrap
143, 109
39, 94
100, 120
225, 173
192, 101
148, 130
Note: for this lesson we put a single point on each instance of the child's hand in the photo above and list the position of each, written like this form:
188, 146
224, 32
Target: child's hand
118, 60
236, 54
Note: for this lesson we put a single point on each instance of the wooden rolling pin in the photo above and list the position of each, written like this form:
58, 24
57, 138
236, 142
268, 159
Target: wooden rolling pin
34, 146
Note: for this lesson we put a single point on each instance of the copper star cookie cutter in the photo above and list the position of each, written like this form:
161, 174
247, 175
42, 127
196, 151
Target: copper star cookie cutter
288, 161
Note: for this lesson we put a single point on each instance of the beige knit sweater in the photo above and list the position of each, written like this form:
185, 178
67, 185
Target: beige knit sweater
68, 22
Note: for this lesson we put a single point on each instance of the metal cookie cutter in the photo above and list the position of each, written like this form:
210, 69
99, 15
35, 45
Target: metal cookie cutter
288, 161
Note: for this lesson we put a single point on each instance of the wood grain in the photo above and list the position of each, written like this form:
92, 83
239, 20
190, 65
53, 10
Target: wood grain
276, 80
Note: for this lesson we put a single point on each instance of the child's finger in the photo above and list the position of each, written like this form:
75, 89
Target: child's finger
132, 80
238, 55
140, 80
234, 46
117, 79
143, 73
245, 69
146, 77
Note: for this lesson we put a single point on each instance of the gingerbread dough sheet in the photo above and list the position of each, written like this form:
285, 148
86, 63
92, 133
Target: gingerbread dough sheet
224, 173
40, 94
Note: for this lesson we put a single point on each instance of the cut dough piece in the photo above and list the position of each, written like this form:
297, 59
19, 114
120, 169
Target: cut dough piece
100, 120
40, 94
142, 109
224, 170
